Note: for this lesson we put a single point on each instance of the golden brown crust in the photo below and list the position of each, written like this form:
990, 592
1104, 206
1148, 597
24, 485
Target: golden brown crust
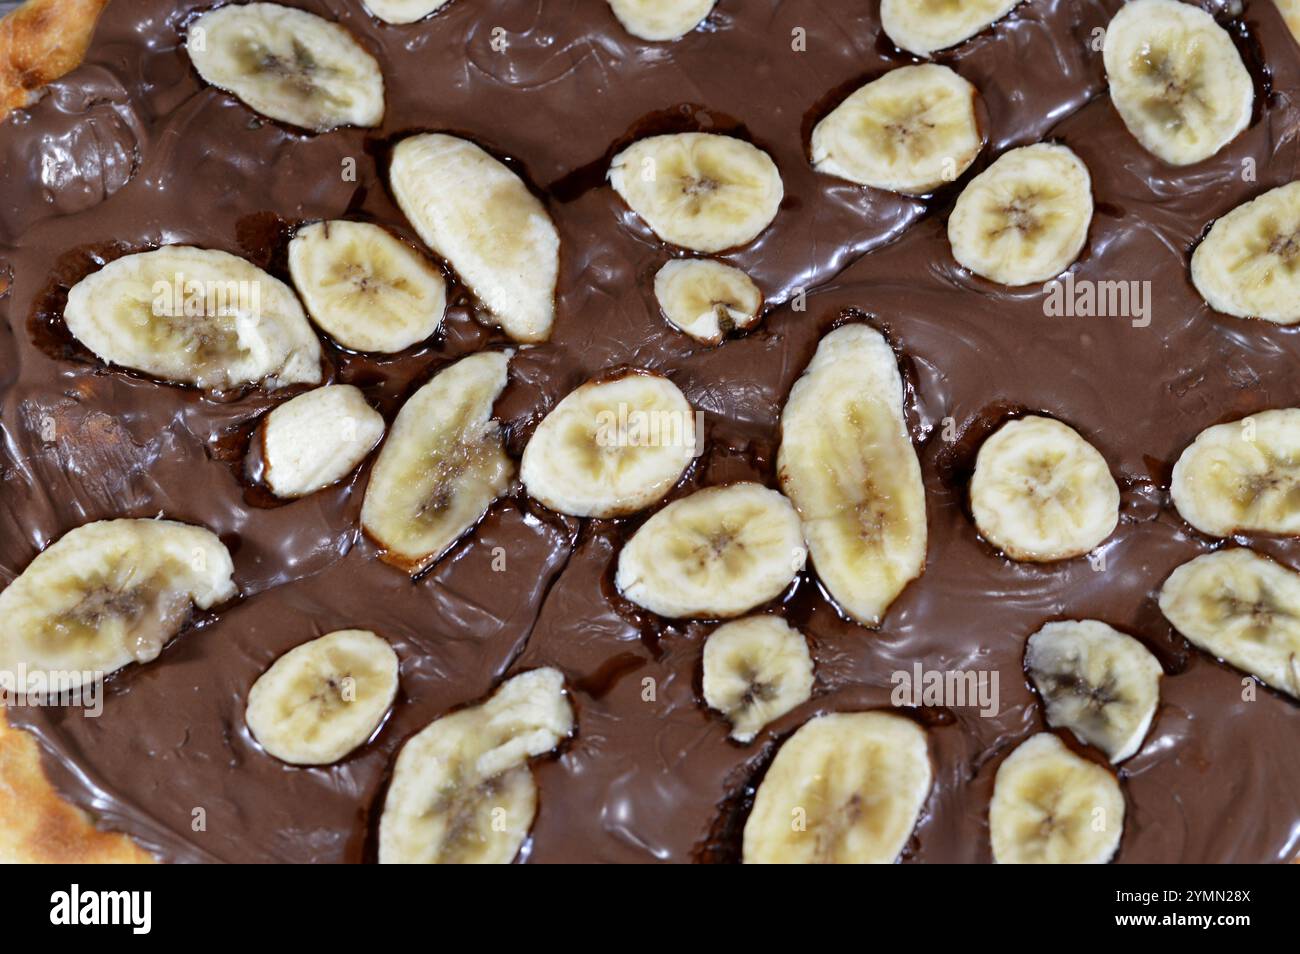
39, 42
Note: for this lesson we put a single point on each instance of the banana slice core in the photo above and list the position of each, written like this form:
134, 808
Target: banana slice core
755, 671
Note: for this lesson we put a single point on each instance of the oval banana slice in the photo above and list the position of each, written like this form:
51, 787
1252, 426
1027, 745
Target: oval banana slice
365, 288
321, 700
1052, 807
657, 20
705, 299
442, 466
1243, 608
926, 26
847, 463
479, 216
194, 316
701, 191
756, 670
288, 64
611, 448
1040, 492
1101, 684
909, 131
1248, 265
108, 594
1025, 218
462, 791
846, 788
717, 553
1176, 79
403, 11
317, 438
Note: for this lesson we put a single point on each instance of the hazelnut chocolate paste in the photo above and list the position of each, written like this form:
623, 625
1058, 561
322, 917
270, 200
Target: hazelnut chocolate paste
132, 151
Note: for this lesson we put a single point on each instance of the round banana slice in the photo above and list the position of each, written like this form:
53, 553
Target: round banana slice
910, 131
756, 670
479, 216
1248, 265
611, 448
194, 316
705, 299
1025, 218
462, 792
365, 288
656, 20
1176, 79
108, 594
403, 11
288, 64
846, 788
1052, 807
321, 700
442, 466
1040, 492
717, 553
926, 26
1101, 684
701, 191
847, 463
317, 438
1243, 608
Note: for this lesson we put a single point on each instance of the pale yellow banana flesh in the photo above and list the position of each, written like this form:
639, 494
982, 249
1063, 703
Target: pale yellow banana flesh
660, 20
756, 670
403, 11
926, 26
705, 299
317, 439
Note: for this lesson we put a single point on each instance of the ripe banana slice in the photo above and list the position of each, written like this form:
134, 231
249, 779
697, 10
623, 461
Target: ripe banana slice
909, 131
108, 594
403, 11
661, 19
365, 288
1243, 608
479, 216
462, 792
1025, 218
1040, 492
1101, 684
611, 448
706, 299
288, 64
1248, 264
1052, 807
702, 191
925, 26
442, 466
194, 316
846, 788
755, 670
717, 553
317, 438
847, 463
1176, 79
321, 700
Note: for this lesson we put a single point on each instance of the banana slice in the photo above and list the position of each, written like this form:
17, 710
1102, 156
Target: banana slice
1291, 14
704, 192
479, 216
194, 316
611, 448
717, 553
756, 670
317, 438
462, 792
403, 11
661, 19
1025, 218
910, 131
1176, 79
108, 594
1243, 608
442, 466
365, 288
288, 64
1052, 807
925, 26
1248, 264
321, 700
706, 299
847, 463
846, 788
1101, 684
1040, 492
